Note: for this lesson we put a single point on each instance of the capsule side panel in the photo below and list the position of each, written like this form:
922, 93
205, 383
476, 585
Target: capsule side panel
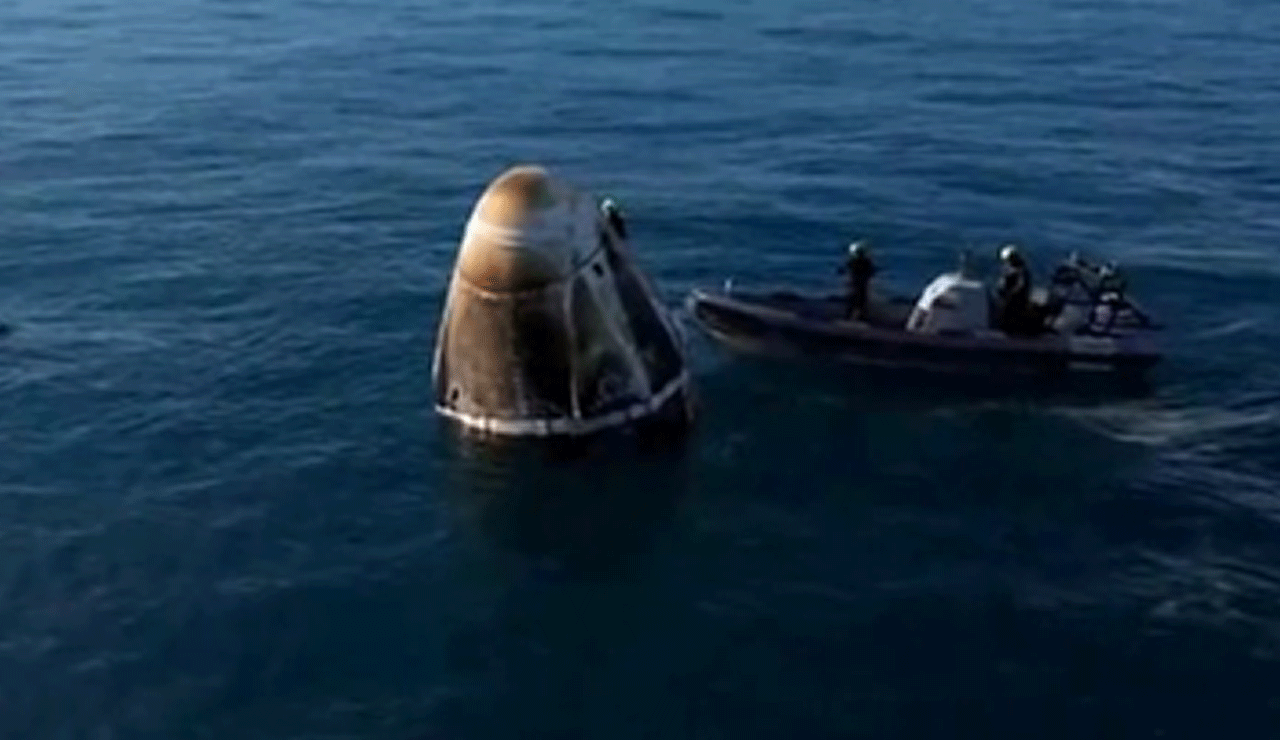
607, 377
654, 340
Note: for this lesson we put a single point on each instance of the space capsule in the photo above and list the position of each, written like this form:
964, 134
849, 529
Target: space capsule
549, 327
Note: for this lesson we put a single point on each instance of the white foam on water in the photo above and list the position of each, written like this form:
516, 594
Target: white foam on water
1149, 424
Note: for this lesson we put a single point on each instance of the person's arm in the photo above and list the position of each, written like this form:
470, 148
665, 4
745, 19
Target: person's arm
1005, 285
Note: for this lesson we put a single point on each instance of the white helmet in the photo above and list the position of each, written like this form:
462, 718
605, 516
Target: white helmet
857, 248
1008, 253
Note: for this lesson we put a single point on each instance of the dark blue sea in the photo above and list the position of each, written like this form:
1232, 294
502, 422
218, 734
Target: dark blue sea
227, 509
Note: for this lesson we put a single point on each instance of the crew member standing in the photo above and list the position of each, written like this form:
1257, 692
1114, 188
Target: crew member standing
1014, 291
614, 214
859, 270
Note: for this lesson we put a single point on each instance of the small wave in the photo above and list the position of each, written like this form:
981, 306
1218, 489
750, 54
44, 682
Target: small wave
1144, 423
1210, 589
1228, 329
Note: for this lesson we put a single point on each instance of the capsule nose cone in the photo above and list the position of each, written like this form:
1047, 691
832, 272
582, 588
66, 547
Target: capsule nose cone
516, 193
527, 230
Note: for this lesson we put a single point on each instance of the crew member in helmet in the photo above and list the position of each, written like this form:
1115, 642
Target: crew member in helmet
614, 214
1014, 291
859, 270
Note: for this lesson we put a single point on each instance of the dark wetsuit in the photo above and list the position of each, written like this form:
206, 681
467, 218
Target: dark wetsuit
1015, 299
615, 219
859, 269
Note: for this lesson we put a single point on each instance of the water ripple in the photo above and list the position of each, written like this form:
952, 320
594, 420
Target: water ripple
225, 505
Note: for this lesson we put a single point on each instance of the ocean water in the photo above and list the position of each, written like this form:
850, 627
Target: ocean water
228, 511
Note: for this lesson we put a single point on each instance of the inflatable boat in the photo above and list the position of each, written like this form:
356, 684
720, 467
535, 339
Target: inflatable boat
1082, 322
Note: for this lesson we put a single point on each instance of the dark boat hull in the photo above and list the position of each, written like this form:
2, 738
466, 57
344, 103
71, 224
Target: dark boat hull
790, 325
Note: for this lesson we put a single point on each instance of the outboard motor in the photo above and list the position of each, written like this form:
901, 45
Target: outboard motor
1109, 302
1091, 299
1069, 301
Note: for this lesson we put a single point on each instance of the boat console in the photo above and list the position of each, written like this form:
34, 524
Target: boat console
952, 304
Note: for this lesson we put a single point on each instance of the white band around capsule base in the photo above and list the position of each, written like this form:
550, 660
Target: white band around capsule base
562, 425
